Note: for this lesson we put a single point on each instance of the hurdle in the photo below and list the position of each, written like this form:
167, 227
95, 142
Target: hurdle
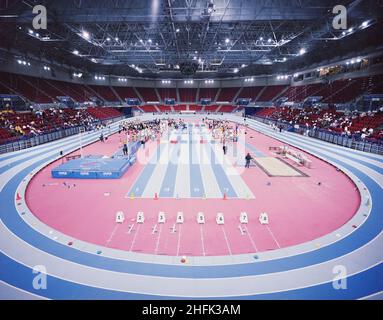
161, 217
243, 219
120, 217
220, 219
140, 217
180, 217
264, 218
201, 218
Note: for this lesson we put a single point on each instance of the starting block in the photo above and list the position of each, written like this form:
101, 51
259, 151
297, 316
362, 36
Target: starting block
243, 218
180, 217
161, 217
154, 229
120, 217
173, 229
140, 217
220, 218
264, 218
201, 218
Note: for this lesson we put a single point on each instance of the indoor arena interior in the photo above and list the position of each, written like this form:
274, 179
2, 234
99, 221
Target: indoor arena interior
191, 150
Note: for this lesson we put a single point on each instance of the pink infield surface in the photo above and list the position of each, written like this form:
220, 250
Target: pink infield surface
300, 209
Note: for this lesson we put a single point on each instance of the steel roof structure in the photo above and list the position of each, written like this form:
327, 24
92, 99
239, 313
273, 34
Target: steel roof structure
183, 38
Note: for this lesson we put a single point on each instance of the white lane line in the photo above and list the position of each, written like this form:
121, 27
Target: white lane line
272, 235
57, 144
7, 175
202, 241
134, 238
158, 240
374, 296
179, 240
320, 143
155, 181
242, 285
6, 289
232, 174
182, 185
350, 253
311, 148
112, 235
227, 241
209, 180
251, 239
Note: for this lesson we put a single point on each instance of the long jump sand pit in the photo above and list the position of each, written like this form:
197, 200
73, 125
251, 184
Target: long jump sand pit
276, 167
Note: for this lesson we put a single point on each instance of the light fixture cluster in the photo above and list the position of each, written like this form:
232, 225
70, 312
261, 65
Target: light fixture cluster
353, 61
99, 78
33, 33
236, 70
302, 51
364, 25
24, 63
45, 37
122, 80
347, 32
249, 79
139, 70
108, 39
46, 68
77, 75
188, 82
85, 34
166, 82
284, 77
209, 81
